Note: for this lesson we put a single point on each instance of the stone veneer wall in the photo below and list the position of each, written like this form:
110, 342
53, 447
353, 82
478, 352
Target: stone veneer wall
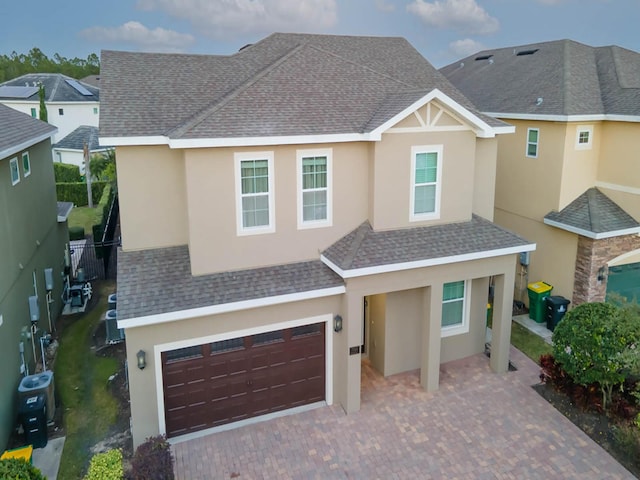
592, 255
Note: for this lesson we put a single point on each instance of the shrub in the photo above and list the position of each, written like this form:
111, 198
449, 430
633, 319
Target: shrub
106, 466
76, 192
589, 345
17, 469
76, 233
153, 460
65, 173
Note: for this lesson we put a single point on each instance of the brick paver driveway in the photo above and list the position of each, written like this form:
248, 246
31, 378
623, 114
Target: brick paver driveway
477, 426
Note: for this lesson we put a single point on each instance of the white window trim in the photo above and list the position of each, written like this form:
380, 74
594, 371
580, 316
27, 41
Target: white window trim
239, 158
580, 129
537, 143
26, 173
14, 161
300, 154
415, 150
452, 330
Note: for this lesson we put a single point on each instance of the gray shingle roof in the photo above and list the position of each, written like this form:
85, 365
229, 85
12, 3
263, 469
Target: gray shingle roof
364, 247
159, 281
595, 213
286, 84
571, 79
56, 88
17, 128
64, 209
76, 139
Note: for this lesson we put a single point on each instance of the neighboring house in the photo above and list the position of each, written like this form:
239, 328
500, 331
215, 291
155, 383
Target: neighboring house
71, 148
70, 103
33, 235
289, 209
569, 178
93, 80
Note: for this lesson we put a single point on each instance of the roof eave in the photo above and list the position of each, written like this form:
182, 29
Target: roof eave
27, 143
590, 234
565, 118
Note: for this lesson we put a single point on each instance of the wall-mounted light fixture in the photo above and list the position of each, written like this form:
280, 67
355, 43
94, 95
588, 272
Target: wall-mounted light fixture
601, 272
142, 359
337, 323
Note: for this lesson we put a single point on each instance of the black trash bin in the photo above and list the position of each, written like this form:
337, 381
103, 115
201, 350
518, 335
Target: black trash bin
32, 414
555, 308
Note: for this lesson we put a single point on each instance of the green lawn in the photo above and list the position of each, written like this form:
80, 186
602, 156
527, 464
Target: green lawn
528, 343
84, 217
81, 382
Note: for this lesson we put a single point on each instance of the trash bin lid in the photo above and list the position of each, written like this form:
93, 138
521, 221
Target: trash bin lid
557, 300
540, 287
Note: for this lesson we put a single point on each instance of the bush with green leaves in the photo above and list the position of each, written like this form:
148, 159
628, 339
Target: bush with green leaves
152, 460
590, 344
18, 469
106, 466
66, 173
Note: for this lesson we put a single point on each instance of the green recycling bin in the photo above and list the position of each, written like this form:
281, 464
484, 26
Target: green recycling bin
538, 291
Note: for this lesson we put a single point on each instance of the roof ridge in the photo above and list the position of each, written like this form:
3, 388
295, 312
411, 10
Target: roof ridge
55, 89
362, 232
219, 103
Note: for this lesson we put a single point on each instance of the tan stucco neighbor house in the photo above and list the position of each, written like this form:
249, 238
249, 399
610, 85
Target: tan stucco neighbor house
569, 178
289, 209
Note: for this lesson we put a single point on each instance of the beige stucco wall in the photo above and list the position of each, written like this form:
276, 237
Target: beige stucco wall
403, 331
484, 181
143, 383
151, 188
392, 177
377, 324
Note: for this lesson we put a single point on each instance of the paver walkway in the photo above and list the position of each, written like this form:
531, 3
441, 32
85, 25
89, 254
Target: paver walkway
479, 425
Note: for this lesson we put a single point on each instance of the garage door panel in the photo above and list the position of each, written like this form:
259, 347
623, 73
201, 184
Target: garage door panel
222, 382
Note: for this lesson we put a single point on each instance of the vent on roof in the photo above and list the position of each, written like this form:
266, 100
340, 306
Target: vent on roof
483, 57
527, 52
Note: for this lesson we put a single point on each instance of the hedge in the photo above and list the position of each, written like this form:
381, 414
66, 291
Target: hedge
76, 192
18, 469
65, 173
106, 466
76, 233
103, 209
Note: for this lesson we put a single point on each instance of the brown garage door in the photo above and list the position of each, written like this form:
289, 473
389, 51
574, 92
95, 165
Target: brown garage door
230, 380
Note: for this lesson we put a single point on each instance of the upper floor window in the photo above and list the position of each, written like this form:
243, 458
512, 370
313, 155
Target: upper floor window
426, 174
61, 111
34, 113
95, 110
26, 164
455, 311
254, 193
584, 137
533, 137
15, 171
314, 188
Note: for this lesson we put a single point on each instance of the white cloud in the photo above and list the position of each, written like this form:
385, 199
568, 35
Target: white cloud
465, 47
464, 16
157, 40
384, 6
234, 18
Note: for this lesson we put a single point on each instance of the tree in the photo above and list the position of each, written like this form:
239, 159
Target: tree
43, 106
590, 344
103, 166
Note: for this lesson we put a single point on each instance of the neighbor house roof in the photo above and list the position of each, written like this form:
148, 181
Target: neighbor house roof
286, 85
594, 215
554, 79
365, 251
159, 281
81, 135
19, 131
57, 88
64, 209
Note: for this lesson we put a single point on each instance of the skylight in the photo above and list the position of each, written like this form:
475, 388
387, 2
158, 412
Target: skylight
483, 57
527, 52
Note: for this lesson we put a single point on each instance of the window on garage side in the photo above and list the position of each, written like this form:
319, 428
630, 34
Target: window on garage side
314, 188
455, 315
15, 171
26, 164
426, 173
254, 198
533, 137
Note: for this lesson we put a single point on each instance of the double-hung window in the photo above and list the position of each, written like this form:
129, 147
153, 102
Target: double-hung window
254, 193
26, 164
314, 188
455, 308
533, 137
15, 171
426, 174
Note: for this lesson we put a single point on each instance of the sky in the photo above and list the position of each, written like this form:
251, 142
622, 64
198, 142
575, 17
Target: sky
441, 30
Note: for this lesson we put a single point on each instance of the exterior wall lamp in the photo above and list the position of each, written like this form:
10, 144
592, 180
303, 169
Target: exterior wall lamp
142, 359
337, 323
601, 274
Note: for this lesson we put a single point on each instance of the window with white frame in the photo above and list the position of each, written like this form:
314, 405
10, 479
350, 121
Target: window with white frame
533, 137
426, 174
584, 137
314, 188
455, 308
26, 164
254, 193
15, 171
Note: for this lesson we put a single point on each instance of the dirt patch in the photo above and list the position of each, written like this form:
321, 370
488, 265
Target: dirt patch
598, 426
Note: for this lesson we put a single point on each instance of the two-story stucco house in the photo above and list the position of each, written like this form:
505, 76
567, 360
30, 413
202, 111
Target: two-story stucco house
33, 239
569, 178
289, 209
